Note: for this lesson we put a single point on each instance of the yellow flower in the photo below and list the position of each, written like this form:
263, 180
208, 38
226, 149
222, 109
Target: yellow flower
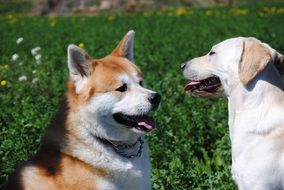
146, 13
272, 10
10, 16
3, 83
12, 19
110, 18
209, 13
180, 11
52, 24
239, 11
5, 66
81, 45
261, 14
280, 11
52, 21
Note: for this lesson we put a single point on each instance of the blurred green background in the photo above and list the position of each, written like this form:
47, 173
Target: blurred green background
191, 147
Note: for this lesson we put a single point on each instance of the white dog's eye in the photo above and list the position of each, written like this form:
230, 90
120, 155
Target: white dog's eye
212, 53
122, 88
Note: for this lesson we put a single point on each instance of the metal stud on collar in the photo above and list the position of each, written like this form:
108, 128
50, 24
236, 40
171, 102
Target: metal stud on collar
118, 149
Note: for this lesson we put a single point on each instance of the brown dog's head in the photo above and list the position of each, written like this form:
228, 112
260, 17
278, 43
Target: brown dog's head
107, 95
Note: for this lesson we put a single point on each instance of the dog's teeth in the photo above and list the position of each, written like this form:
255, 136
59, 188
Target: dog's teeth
194, 87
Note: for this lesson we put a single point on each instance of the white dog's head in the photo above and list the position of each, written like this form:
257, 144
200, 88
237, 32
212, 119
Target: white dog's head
107, 96
233, 61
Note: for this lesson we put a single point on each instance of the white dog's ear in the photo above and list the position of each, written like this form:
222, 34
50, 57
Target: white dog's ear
125, 47
254, 59
79, 63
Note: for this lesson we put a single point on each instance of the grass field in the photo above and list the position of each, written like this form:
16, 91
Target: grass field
190, 148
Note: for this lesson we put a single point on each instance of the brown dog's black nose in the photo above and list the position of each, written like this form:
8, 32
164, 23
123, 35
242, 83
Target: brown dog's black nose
155, 99
182, 66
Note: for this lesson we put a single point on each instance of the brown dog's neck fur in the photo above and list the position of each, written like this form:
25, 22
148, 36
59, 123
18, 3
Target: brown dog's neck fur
48, 157
50, 161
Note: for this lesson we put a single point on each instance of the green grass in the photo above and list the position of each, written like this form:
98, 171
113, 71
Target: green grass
191, 147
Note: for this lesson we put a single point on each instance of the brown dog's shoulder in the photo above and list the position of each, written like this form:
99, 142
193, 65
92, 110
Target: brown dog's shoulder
47, 159
43, 164
15, 180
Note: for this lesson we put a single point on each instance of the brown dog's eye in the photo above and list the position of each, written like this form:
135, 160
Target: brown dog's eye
141, 83
212, 53
122, 88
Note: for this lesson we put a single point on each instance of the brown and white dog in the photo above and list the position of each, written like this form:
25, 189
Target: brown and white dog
96, 140
248, 72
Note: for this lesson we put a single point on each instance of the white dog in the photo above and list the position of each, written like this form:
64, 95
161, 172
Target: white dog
247, 72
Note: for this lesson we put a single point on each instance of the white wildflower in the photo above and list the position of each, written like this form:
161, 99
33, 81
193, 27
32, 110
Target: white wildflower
34, 71
23, 78
34, 80
19, 40
38, 57
38, 62
15, 57
35, 50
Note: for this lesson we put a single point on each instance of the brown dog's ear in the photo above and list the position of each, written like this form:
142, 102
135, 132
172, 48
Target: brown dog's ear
125, 47
79, 63
254, 59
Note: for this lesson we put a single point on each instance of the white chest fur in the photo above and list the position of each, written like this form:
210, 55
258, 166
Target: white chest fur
137, 177
123, 173
257, 147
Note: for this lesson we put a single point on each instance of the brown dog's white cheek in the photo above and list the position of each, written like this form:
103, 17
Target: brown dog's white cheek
104, 78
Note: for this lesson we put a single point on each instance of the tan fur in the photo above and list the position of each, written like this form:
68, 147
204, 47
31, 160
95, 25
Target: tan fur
254, 59
102, 78
74, 174
70, 157
119, 51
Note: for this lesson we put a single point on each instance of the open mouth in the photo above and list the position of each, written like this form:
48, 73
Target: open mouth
203, 87
143, 123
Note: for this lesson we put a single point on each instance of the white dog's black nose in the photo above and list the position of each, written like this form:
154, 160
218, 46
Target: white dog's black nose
155, 99
183, 65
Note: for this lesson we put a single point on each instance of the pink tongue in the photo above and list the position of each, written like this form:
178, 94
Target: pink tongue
144, 124
194, 82
147, 123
